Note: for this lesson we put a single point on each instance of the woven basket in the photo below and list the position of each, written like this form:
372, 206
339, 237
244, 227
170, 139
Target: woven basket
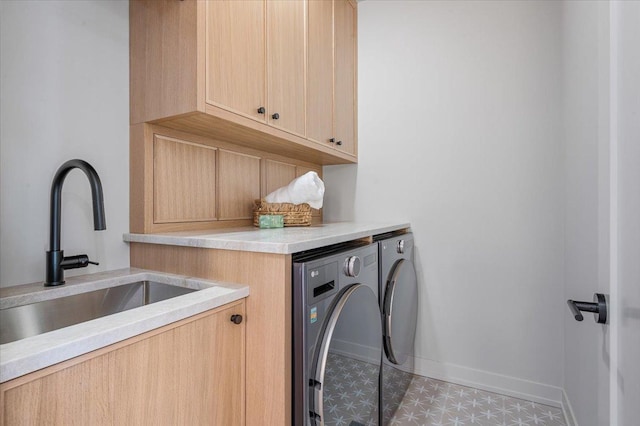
294, 214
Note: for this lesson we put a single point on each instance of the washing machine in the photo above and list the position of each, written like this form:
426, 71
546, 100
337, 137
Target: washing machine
337, 336
398, 302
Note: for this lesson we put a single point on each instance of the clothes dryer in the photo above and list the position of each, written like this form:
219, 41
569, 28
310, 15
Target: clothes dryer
398, 301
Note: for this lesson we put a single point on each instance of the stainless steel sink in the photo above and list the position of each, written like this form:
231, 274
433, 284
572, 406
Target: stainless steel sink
30, 320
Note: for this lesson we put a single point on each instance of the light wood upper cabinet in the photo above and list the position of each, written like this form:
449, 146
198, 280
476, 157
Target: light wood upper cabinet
320, 71
331, 79
188, 373
285, 64
255, 60
235, 56
263, 74
345, 126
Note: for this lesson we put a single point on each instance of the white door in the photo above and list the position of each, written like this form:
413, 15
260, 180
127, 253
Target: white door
625, 253
602, 119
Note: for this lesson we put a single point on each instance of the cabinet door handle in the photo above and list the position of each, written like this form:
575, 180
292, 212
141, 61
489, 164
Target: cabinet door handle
275, 116
261, 110
332, 140
236, 318
339, 143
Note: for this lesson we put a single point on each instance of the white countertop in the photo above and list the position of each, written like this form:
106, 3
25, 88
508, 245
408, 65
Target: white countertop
33, 353
278, 241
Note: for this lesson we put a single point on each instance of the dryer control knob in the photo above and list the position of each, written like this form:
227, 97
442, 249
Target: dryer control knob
400, 247
352, 266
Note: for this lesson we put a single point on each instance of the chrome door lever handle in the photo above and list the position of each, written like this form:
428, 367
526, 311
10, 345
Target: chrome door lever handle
598, 307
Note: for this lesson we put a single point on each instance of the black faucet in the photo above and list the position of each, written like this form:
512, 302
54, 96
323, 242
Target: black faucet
56, 261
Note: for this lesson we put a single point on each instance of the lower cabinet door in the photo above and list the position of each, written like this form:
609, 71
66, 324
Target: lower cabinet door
188, 373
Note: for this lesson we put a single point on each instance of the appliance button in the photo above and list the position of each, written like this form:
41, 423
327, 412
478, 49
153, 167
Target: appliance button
400, 247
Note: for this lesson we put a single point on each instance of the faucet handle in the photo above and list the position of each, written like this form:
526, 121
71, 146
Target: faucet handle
78, 261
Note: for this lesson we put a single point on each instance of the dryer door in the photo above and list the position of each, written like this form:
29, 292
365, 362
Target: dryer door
400, 311
346, 368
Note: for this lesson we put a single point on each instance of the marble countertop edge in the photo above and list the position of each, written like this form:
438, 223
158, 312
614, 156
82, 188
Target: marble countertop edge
276, 241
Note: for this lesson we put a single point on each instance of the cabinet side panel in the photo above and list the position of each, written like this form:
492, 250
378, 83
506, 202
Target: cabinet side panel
140, 179
163, 58
268, 343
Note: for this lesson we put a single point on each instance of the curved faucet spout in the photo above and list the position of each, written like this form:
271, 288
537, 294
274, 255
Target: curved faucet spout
56, 262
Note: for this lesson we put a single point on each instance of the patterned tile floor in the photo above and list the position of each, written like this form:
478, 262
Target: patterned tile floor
430, 402
350, 393
350, 396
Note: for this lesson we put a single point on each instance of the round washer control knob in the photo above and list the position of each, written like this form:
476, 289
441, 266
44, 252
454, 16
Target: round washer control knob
352, 266
400, 247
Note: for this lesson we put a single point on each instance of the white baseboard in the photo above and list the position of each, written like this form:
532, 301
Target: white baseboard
356, 351
567, 410
492, 382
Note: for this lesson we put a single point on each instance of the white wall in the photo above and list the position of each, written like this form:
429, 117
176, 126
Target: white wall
64, 84
460, 134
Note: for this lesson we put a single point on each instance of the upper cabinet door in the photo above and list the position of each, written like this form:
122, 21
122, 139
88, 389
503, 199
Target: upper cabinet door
320, 71
345, 76
286, 64
235, 56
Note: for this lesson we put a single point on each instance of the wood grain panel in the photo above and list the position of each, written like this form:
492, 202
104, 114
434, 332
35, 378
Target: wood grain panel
268, 344
286, 64
184, 181
239, 185
345, 75
276, 175
140, 178
320, 71
163, 59
223, 125
300, 170
235, 50
190, 372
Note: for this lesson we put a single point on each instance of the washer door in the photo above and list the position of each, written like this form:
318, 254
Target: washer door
345, 377
400, 312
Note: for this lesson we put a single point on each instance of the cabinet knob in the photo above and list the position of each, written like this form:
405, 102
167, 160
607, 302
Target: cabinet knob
332, 140
275, 116
236, 319
339, 143
261, 110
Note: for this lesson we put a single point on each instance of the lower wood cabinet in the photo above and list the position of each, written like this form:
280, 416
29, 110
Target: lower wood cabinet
191, 372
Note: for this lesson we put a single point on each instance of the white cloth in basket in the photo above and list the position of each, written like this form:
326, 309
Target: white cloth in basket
308, 188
